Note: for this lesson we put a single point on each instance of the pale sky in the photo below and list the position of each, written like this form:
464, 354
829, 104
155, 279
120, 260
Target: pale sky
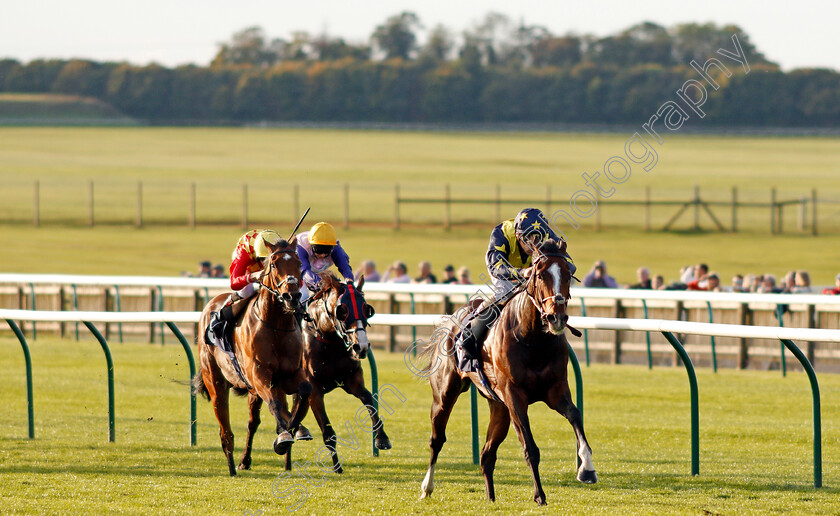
172, 32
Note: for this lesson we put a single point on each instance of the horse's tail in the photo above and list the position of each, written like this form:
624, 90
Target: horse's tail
437, 346
199, 387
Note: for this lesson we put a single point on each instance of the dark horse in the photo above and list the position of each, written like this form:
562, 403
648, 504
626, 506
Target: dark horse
268, 343
335, 342
525, 359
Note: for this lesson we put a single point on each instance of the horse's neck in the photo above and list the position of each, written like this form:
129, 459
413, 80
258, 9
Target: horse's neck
527, 314
267, 308
322, 319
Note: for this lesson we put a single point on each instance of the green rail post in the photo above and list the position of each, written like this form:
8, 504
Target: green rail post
647, 337
474, 421
110, 361
119, 309
374, 387
160, 309
206, 296
815, 393
75, 307
782, 325
711, 321
578, 391
585, 332
32, 292
191, 360
413, 328
26, 357
695, 412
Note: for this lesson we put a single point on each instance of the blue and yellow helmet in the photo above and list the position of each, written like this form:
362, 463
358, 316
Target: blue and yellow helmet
530, 221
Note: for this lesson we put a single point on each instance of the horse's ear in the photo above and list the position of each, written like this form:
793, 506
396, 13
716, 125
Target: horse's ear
563, 247
360, 283
293, 241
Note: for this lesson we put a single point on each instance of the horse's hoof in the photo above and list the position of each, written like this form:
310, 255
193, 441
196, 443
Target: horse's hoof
283, 443
303, 434
540, 499
382, 443
587, 477
243, 466
340, 470
424, 494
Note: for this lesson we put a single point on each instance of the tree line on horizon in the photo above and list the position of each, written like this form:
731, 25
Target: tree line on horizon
496, 71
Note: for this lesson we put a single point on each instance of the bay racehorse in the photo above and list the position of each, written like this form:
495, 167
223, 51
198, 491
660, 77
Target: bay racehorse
525, 358
268, 343
335, 342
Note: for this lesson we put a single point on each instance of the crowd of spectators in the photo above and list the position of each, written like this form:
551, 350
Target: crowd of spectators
699, 277
207, 270
691, 277
397, 272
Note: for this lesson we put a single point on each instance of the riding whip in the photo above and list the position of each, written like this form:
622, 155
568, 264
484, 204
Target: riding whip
299, 223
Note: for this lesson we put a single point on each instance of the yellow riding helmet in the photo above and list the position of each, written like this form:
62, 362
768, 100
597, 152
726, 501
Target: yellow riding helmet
261, 250
323, 233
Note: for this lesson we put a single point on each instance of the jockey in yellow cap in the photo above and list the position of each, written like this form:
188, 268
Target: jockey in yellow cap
318, 250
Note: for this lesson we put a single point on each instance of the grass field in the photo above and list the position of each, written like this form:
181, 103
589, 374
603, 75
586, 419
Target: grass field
220, 161
755, 447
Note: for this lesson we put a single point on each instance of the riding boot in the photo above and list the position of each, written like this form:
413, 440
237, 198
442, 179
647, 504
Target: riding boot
474, 335
227, 317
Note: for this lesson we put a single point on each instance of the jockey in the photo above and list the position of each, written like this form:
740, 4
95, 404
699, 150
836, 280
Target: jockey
247, 263
318, 250
511, 249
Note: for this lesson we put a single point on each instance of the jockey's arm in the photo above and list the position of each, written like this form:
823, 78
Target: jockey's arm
342, 262
239, 276
310, 279
497, 255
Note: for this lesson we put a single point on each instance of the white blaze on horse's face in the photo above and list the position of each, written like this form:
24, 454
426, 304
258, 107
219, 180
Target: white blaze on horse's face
362, 339
557, 323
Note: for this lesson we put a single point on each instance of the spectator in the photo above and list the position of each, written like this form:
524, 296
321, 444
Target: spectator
833, 291
788, 283
368, 269
204, 269
426, 276
449, 271
643, 275
397, 273
768, 285
464, 276
658, 283
710, 282
738, 283
598, 277
218, 271
801, 283
751, 283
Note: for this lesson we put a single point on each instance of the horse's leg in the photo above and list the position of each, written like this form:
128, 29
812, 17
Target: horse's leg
519, 415
446, 387
356, 387
316, 403
497, 430
218, 389
285, 438
254, 405
303, 433
560, 399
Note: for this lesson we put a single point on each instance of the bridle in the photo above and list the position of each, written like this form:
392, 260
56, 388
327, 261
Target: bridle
281, 297
531, 292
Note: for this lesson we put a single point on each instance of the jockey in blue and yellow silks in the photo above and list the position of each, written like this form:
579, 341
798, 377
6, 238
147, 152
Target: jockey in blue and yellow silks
512, 244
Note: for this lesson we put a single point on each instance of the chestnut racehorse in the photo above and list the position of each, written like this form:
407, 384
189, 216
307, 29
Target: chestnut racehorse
525, 358
268, 344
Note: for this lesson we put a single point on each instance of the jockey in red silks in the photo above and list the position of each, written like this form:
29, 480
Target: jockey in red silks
318, 250
248, 262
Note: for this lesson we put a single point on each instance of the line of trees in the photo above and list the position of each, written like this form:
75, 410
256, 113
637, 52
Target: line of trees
497, 71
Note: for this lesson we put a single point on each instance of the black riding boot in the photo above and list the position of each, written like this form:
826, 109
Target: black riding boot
474, 335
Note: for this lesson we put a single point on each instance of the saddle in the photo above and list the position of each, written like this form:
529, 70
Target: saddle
219, 332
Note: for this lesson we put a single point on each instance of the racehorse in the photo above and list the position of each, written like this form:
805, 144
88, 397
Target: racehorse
335, 342
268, 343
525, 359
